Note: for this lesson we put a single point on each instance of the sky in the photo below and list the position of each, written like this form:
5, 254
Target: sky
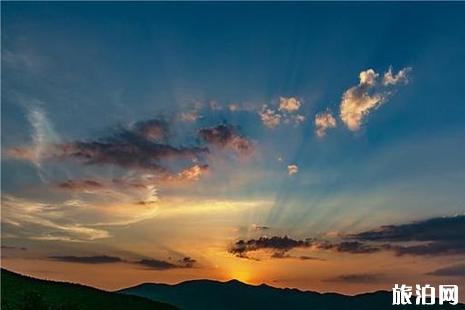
309, 145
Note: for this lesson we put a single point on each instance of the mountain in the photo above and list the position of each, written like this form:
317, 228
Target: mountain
20, 292
207, 294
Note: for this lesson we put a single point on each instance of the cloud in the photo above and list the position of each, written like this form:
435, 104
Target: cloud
359, 278
436, 236
390, 78
260, 228
282, 255
143, 145
324, 121
189, 117
74, 220
151, 263
284, 113
279, 246
353, 247
156, 264
151, 130
7, 247
292, 169
43, 135
144, 184
192, 173
275, 244
358, 101
269, 117
226, 136
187, 262
80, 185
290, 104
451, 271
98, 259
368, 77
40, 221
305, 257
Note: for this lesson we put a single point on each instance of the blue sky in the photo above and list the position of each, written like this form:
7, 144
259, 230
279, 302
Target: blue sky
83, 71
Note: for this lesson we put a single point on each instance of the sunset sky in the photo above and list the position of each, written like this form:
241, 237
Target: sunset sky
309, 145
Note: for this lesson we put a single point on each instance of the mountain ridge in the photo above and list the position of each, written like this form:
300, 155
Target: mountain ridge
233, 294
25, 292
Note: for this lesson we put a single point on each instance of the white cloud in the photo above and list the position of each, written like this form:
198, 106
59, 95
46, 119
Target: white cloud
43, 134
290, 104
269, 117
323, 121
284, 113
391, 78
36, 220
189, 117
368, 77
292, 169
358, 101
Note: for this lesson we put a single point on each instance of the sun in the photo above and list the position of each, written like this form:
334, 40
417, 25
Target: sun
242, 275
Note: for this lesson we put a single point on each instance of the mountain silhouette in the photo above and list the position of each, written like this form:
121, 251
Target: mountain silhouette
21, 292
25, 293
208, 294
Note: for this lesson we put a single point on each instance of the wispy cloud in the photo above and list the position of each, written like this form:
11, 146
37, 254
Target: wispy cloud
450, 271
97, 259
185, 262
80, 185
402, 76
359, 278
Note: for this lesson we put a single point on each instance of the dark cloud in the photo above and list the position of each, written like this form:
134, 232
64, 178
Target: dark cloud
285, 255
143, 145
156, 264
98, 259
435, 229
130, 152
78, 185
185, 262
261, 227
304, 257
226, 136
353, 247
279, 245
451, 271
7, 247
151, 263
436, 236
358, 278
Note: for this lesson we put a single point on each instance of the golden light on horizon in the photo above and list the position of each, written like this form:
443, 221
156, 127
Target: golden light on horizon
241, 274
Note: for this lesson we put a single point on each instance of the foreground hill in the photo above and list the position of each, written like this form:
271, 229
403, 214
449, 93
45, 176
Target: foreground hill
206, 294
25, 293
